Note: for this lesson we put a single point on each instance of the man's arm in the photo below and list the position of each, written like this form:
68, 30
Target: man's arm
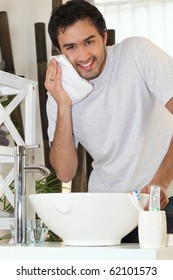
164, 175
63, 156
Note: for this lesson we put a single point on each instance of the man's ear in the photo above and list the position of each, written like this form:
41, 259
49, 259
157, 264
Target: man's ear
105, 36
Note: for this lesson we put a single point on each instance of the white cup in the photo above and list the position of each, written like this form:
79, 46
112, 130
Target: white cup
152, 229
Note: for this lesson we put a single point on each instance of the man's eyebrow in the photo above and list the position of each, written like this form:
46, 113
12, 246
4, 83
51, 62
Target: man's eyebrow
73, 44
68, 45
90, 37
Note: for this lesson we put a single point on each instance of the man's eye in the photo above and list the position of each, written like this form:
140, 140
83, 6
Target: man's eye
89, 42
70, 48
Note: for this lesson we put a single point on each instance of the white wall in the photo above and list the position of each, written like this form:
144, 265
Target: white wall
22, 15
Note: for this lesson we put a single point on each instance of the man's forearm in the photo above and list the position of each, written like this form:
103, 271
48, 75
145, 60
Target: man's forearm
164, 175
63, 155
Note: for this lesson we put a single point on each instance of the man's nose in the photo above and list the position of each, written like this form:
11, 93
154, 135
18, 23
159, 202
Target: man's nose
82, 54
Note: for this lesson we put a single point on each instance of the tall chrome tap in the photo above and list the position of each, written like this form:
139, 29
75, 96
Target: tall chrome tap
20, 221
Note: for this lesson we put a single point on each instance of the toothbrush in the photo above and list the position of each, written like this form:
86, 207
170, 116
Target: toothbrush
154, 201
136, 196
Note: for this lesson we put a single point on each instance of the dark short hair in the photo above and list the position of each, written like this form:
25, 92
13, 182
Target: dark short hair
71, 12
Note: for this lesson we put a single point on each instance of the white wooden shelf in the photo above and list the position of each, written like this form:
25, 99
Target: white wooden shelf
58, 251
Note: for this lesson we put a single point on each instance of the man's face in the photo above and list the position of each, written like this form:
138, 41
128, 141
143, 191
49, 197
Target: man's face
84, 47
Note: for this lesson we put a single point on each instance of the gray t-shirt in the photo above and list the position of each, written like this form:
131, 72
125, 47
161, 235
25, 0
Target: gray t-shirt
123, 122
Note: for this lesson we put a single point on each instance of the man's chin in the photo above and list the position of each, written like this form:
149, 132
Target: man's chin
88, 76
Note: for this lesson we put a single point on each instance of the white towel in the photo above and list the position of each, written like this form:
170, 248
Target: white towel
76, 87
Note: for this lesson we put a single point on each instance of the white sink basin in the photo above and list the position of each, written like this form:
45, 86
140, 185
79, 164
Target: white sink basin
88, 219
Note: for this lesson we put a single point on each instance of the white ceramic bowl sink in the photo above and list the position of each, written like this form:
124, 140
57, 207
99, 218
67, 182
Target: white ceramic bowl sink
88, 219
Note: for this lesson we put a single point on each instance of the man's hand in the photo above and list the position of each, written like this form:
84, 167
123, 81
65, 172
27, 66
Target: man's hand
53, 83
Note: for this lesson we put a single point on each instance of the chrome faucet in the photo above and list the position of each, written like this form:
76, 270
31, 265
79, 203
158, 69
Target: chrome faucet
37, 168
20, 221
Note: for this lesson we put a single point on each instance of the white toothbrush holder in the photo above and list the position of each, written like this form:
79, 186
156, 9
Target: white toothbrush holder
152, 229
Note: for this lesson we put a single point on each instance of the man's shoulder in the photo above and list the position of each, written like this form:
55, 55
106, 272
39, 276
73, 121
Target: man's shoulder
135, 41
130, 43
135, 45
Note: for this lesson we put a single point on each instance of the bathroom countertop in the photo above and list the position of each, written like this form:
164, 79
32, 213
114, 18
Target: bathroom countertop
58, 251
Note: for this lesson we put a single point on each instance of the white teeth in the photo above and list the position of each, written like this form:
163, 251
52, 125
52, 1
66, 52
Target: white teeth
87, 64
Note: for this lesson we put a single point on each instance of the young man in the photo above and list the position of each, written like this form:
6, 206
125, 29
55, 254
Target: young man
126, 122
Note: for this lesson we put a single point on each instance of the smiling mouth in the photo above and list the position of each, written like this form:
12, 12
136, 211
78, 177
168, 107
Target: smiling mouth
86, 66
